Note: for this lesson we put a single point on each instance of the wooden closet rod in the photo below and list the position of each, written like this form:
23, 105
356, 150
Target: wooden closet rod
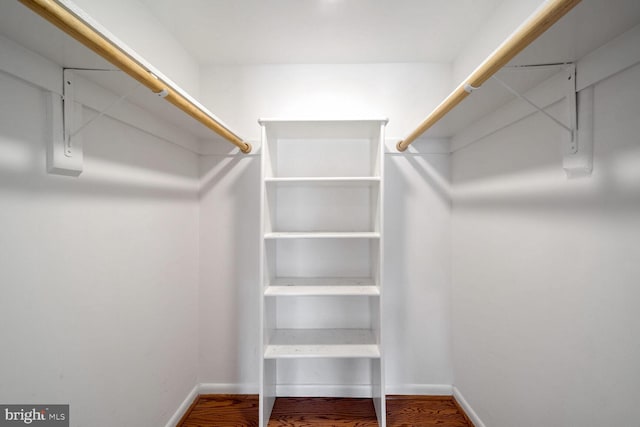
548, 15
88, 36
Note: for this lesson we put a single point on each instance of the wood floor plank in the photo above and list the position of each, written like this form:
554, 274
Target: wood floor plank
228, 410
420, 412
402, 411
323, 412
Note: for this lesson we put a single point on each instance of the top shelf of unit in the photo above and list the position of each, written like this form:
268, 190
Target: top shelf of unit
322, 129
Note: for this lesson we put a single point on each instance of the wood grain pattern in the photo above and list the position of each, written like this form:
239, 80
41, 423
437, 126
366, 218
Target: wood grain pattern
461, 410
229, 410
242, 410
321, 411
423, 411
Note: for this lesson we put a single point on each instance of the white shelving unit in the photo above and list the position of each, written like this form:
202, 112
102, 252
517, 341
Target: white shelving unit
321, 256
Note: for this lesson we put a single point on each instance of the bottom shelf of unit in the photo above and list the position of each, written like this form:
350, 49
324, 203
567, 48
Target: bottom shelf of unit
322, 343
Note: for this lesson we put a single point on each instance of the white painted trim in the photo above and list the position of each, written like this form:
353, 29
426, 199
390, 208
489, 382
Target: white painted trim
209, 388
613, 57
220, 148
29, 67
421, 389
310, 390
475, 419
317, 390
421, 146
227, 388
184, 406
323, 390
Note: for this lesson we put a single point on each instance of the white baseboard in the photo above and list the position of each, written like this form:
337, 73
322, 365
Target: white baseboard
182, 409
315, 390
321, 390
475, 419
421, 389
222, 388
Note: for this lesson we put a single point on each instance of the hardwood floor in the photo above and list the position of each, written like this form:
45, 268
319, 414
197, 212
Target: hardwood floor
222, 410
242, 411
315, 411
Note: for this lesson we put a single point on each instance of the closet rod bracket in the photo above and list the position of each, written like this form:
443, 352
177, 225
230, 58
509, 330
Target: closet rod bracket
64, 150
577, 142
570, 129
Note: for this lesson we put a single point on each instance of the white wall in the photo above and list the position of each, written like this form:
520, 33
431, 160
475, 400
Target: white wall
229, 303
131, 22
417, 220
504, 20
417, 295
98, 274
401, 92
545, 271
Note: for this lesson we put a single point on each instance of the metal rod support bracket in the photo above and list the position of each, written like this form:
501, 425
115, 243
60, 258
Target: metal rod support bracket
570, 95
64, 151
577, 145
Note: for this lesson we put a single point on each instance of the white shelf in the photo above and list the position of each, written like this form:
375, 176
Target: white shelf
322, 286
319, 129
322, 343
322, 281
341, 180
343, 290
323, 235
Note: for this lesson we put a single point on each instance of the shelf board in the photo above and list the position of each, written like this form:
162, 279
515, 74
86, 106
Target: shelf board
323, 235
323, 129
322, 286
322, 281
342, 290
367, 180
322, 343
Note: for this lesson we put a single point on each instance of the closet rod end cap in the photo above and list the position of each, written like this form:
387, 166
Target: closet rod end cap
247, 149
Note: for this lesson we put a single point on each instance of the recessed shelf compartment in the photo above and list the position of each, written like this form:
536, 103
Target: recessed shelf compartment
322, 343
320, 257
321, 286
327, 148
322, 204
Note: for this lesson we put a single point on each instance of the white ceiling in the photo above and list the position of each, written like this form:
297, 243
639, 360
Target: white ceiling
321, 31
